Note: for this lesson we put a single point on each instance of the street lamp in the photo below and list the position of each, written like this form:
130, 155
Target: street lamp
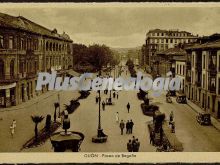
100, 137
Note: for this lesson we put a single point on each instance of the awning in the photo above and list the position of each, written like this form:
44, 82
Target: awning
8, 86
73, 73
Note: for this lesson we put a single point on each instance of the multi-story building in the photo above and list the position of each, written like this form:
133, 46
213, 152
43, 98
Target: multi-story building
160, 40
203, 76
27, 48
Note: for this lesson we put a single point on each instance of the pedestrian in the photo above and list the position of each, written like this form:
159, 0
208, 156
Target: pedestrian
117, 117
14, 123
117, 95
128, 106
127, 127
137, 145
129, 146
12, 129
171, 117
113, 94
133, 139
152, 137
131, 126
103, 105
96, 99
122, 126
134, 145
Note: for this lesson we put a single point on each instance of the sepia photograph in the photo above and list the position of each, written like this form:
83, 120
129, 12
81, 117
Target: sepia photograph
104, 78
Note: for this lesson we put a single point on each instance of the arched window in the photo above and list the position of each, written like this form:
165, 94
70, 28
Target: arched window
12, 68
47, 45
2, 69
53, 46
56, 47
50, 46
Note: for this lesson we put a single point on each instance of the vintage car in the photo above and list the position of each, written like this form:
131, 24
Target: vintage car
204, 118
181, 99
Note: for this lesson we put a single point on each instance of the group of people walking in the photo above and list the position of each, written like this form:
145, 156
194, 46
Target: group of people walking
129, 127
133, 145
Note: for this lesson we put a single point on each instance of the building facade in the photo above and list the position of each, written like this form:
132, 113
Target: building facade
26, 49
160, 40
203, 76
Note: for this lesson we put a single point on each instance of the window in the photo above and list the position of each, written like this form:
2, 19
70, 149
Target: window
183, 69
1, 42
177, 69
203, 81
219, 86
162, 40
10, 45
203, 61
2, 68
166, 40
22, 44
171, 40
219, 62
208, 102
180, 69
161, 34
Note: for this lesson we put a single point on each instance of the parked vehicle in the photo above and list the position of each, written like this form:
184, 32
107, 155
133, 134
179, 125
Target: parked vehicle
181, 99
204, 118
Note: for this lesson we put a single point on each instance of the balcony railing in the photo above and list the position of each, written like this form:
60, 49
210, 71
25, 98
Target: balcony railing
198, 66
12, 51
31, 75
198, 83
188, 78
9, 79
212, 89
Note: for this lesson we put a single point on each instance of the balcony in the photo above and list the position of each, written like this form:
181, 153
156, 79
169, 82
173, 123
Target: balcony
12, 51
198, 66
188, 78
198, 83
213, 70
212, 89
31, 75
9, 79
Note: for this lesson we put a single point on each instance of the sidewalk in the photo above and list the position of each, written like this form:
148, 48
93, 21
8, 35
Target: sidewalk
30, 102
197, 109
35, 100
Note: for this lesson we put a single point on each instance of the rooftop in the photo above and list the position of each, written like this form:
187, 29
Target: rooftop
22, 23
208, 45
173, 51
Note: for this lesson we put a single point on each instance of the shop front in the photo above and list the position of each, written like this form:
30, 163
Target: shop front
8, 95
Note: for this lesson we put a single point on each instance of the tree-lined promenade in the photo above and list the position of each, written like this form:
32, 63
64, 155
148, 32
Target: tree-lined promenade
93, 57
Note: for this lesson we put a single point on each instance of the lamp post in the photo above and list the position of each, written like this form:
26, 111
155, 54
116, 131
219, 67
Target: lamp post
100, 137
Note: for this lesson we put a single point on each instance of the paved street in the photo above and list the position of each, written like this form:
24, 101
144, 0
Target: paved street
85, 119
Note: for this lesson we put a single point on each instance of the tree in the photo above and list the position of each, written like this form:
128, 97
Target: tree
36, 119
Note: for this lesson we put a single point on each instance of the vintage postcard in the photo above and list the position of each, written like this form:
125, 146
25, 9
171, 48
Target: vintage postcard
109, 81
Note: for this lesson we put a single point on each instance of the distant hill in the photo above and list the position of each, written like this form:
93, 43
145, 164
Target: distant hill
125, 50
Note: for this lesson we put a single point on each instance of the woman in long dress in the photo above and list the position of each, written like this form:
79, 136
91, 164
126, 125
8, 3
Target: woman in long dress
117, 117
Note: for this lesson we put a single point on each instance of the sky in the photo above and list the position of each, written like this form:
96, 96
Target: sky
121, 26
